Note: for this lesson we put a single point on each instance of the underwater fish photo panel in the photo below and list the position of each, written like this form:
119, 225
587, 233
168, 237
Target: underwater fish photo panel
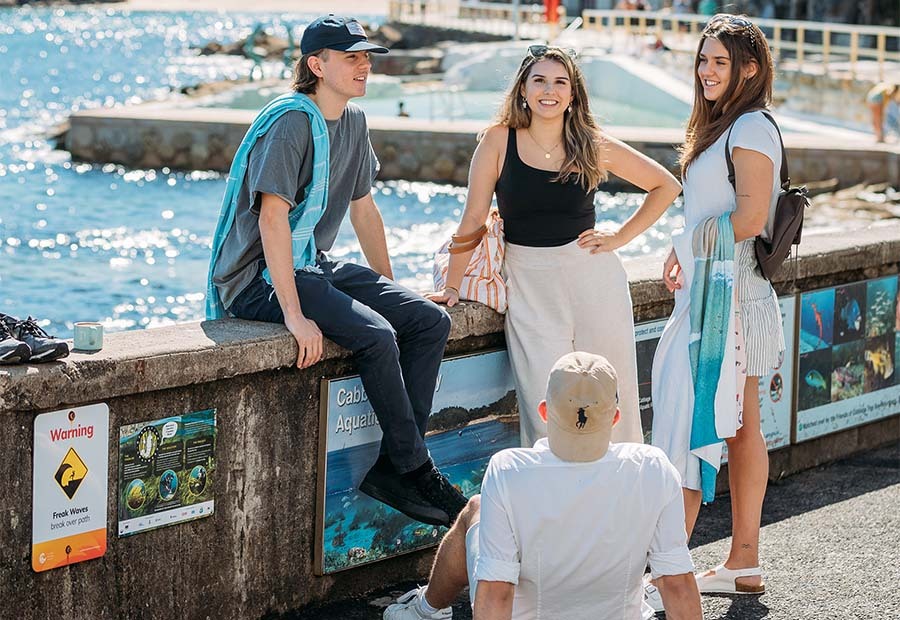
816, 320
849, 370
849, 312
814, 387
849, 379
473, 416
881, 306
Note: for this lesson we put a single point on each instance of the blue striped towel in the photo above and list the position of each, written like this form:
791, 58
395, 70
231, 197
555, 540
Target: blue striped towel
711, 299
303, 218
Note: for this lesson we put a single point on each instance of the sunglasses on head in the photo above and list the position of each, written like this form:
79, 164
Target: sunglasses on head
539, 51
731, 19
736, 20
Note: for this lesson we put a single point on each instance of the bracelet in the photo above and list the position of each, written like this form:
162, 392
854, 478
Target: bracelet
452, 288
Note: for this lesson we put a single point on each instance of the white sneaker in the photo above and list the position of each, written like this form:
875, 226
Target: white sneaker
407, 608
652, 597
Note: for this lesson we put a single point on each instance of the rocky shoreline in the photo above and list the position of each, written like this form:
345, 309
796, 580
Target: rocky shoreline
861, 204
415, 49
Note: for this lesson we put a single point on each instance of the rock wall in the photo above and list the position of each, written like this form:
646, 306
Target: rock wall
409, 149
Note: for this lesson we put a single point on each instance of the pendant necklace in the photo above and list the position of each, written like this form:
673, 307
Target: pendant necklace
546, 152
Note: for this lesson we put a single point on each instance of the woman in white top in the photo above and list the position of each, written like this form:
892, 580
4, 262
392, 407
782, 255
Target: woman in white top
733, 82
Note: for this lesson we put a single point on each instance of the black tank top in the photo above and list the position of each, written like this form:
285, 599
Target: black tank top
536, 210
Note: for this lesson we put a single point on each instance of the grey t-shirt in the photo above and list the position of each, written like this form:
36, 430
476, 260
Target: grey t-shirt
281, 163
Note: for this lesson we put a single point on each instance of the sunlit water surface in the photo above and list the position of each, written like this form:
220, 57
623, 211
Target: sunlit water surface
130, 247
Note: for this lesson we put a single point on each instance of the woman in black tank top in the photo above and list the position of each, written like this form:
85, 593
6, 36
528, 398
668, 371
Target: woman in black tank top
567, 290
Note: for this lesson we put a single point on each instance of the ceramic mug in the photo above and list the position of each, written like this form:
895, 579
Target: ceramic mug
88, 336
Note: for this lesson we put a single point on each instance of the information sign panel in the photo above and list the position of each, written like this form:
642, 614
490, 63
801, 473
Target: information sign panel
166, 470
849, 342
473, 416
774, 389
71, 460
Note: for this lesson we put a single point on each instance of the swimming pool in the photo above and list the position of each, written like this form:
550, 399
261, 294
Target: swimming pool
439, 102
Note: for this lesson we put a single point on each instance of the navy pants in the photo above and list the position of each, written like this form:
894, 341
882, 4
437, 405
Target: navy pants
397, 338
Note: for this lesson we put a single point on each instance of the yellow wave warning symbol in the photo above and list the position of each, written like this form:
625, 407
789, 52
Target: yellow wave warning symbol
70, 473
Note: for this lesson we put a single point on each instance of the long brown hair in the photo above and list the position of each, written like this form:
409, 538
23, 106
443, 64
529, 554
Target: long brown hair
305, 81
746, 44
581, 134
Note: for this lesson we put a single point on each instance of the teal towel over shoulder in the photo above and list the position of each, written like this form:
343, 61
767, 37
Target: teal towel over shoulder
711, 300
303, 218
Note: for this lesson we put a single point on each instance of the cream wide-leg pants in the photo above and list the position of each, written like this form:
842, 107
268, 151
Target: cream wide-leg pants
564, 299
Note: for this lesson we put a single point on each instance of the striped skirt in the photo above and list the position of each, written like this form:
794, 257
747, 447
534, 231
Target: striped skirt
760, 315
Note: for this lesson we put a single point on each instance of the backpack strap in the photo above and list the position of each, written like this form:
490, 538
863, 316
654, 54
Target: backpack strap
785, 177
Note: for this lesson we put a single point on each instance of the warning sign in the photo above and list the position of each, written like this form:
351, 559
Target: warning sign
71, 460
70, 473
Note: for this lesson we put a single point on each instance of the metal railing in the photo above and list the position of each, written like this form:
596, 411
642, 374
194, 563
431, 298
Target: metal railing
822, 43
517, 21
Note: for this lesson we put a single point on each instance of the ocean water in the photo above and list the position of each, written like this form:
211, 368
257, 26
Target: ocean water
130, 247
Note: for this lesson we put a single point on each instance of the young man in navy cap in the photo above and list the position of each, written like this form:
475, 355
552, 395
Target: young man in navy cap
288, 195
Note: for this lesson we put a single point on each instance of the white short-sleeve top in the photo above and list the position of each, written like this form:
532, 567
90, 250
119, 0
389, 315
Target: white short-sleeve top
707, 192
575, 537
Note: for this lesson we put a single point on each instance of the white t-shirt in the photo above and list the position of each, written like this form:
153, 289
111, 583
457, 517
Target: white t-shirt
707, 192
575, 537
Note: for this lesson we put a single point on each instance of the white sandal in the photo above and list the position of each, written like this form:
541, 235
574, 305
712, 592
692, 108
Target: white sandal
724, 581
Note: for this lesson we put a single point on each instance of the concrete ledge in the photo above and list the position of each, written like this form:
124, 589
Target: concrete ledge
200, 352
190, 353
253, 557
154, 136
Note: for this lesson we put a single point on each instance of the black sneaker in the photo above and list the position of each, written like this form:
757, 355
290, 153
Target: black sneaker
394, 490
437, 490
12, 350
44, 347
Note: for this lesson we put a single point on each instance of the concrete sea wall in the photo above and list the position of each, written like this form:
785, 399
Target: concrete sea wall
254, 556
409, 149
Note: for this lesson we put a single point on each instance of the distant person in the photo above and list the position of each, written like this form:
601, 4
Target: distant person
544, 159
269, 262
401, 110
551, 11
659, 45
707, 7
564, 530
883, 100
733, 75
681, 7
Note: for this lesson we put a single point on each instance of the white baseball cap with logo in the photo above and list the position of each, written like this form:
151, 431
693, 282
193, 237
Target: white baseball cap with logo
582, 406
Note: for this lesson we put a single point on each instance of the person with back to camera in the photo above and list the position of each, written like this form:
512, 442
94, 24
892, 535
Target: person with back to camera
564, 530
733, 87
305, 161
544, 159
883, 100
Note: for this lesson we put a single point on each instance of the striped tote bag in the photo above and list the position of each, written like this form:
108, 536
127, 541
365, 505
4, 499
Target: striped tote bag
482, 281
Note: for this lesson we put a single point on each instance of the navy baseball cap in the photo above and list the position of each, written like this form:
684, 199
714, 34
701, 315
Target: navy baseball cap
334, 32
